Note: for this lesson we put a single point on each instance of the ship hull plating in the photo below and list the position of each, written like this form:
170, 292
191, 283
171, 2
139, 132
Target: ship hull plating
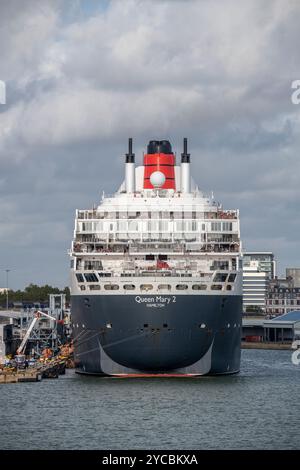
126, 335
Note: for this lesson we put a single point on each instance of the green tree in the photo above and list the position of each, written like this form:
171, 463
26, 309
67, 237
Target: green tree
33, 293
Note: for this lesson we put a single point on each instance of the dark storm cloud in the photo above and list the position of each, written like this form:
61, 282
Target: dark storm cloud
83, 76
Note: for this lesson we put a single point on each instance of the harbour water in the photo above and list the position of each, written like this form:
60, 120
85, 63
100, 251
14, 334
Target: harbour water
256, 409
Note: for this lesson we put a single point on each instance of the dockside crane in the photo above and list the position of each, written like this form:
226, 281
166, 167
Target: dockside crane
37, 315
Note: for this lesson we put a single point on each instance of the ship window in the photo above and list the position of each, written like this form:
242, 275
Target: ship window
164, 287
181, 286
80, 277
216, 226
222, 265
228, 287
82, 287
220, 277
129, 286
94, 287
165, 325
199, 287
150, 257
216, 287
89, 265
146, 325
90, 277
111, 287
227, 226
231, 277
146, 286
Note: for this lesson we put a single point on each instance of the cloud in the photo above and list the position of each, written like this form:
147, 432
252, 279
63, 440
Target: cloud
26, 31
81, 79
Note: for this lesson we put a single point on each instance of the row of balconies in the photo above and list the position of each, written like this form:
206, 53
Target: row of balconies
164, 214
212, 246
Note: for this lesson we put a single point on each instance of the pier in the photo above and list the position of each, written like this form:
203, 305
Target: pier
48, 368
8, 377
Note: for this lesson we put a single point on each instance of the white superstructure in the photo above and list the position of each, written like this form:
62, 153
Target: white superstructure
156, 240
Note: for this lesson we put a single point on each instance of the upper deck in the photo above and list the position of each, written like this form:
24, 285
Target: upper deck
171, 229
177, 223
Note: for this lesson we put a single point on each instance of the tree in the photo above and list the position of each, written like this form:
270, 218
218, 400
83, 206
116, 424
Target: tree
33, 293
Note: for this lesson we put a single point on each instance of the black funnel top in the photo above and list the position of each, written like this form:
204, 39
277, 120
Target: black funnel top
185, 156
130, 156
159, 146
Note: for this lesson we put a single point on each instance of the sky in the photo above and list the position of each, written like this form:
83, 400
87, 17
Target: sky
83, 76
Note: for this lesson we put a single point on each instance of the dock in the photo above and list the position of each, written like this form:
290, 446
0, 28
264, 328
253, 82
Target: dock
266, 345
48, 370
7, 377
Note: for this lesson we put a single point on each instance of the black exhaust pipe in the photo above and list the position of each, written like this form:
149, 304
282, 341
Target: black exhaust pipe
130, 157
185, 156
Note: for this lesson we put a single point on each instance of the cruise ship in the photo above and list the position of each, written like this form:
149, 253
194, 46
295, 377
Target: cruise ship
156, 275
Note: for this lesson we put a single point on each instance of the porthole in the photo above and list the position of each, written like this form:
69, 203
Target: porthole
111, 287
216, 287
146, 287
199, 287
182, 286
129, 286
164, 287
229, 287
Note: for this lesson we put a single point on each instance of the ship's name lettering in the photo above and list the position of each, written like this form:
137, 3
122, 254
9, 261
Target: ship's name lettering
156, 299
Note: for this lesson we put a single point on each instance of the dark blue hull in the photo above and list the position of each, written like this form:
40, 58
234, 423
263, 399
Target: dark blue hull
175, 335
